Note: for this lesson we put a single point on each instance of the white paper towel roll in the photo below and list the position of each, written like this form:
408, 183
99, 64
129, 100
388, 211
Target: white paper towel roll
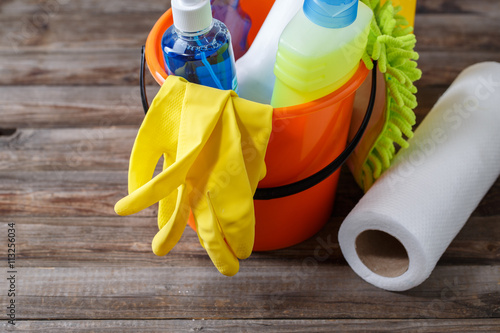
395, 235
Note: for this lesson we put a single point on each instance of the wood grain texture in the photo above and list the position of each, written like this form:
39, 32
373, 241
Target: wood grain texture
84, 68
254, 325
27, 7
64, 106
126, 242
484, 7
459, 32
69, 149
86, 194
440, 68
278, 290
58, 32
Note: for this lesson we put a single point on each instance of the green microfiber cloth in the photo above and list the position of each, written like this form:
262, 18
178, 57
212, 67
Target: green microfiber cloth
393, 47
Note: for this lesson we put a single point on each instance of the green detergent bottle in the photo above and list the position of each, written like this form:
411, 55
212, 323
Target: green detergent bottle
320, 50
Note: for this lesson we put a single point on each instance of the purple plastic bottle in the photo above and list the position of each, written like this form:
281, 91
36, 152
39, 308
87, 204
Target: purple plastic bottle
237, 21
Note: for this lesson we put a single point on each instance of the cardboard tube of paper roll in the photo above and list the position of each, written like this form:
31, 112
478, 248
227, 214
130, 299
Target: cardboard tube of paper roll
396, 234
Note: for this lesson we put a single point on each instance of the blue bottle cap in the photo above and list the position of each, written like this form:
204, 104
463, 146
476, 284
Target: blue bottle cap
331, 13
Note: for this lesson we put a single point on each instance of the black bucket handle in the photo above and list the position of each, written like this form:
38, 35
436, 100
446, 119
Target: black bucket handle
142, 80
270, 193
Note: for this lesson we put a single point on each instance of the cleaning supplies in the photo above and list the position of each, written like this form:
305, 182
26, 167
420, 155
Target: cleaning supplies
198, 47
237, 21
255, 68
320, 50
305, 139
396, 234
391, 43
214, 145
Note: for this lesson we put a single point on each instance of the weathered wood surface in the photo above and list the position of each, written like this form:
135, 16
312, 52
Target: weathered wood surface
256, 325
278, 289
69, 112
63, 106
104, 241
29, 7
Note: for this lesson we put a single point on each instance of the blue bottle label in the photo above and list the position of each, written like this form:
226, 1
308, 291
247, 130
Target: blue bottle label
205, 59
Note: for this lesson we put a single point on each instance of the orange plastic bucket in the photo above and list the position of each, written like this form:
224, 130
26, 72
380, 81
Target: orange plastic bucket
305, 139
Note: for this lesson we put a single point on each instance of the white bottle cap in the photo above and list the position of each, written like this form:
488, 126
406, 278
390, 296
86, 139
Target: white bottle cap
191, 15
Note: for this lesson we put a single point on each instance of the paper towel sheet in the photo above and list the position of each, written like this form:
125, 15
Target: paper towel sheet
395, 235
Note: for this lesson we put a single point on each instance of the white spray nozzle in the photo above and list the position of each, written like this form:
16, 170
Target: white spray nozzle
190, 2
191, 15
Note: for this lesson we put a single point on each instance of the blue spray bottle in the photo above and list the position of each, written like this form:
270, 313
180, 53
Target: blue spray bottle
198, 47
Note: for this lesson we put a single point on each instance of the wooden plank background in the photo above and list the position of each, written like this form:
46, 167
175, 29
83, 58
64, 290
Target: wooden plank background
69, 112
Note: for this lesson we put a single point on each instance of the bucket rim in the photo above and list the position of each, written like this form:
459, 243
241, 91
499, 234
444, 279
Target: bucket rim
154, 59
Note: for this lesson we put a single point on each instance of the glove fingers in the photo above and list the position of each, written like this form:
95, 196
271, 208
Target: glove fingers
255, 128
142, 165
172, 230
167, 205
158, 132
234, 211
166, 208
232, 199
154, 190
213, 241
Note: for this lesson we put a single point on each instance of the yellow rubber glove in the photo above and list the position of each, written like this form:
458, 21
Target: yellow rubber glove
214, 145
